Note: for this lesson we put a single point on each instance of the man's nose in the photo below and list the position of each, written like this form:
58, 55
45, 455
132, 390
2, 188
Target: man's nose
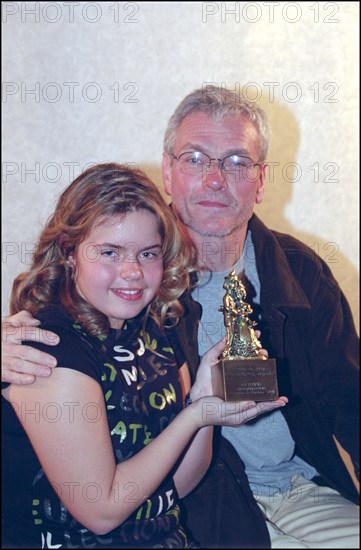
214, 176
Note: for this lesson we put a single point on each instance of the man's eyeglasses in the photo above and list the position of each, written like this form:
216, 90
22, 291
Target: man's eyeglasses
196, 163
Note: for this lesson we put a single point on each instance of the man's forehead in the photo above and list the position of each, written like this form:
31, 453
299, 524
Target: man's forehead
199, 128
216, 119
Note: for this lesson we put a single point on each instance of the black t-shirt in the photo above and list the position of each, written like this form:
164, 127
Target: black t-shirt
138, 373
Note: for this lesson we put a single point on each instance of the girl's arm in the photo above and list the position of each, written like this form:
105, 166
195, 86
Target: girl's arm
65, 419
214, 411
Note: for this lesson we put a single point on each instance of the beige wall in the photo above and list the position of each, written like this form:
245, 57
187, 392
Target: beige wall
90, 82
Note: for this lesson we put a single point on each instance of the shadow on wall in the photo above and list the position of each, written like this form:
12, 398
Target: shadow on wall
283, 174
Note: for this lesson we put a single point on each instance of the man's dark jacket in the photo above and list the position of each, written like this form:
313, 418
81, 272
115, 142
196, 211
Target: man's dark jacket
308, 328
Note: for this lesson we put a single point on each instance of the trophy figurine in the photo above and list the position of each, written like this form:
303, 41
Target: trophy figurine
247, 375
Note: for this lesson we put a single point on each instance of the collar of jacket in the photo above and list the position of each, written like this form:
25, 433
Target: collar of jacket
279, 287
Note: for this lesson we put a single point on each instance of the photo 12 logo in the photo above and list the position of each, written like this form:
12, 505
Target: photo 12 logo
270, 12
70, 92
69, 12
291, 92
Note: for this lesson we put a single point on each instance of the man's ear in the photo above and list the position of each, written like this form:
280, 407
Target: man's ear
166, 170
261, 182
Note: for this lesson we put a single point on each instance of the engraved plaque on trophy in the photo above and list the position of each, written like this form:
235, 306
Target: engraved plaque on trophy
247, 375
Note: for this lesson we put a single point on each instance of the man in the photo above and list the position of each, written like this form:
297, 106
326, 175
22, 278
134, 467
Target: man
278, 481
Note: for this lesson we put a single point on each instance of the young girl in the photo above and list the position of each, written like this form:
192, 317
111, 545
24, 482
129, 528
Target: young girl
98, 454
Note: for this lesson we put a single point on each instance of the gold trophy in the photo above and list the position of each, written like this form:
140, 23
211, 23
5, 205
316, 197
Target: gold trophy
247, 375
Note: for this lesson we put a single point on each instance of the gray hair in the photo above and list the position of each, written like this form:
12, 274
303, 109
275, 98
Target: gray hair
217, 103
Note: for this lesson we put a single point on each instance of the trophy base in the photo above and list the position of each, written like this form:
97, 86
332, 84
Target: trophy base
249, 379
